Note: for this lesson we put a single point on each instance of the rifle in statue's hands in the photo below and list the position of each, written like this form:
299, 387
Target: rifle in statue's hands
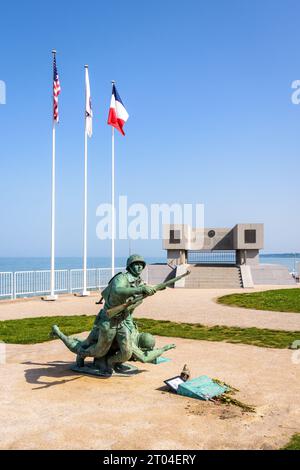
133, 302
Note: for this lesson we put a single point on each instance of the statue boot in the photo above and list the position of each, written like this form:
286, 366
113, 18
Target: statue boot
79, 361
100, 363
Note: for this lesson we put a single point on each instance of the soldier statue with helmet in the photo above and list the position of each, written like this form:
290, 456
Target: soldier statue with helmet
114, 338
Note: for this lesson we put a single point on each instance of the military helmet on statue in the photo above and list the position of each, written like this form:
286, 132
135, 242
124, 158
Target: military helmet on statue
135, 259
146, 341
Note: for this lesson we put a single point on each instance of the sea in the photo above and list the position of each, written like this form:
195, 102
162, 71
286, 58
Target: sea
40, 264
36, 264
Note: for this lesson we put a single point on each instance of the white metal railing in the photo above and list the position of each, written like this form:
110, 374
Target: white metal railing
76, 279
96, 278
6, 285
30, 283
38, 282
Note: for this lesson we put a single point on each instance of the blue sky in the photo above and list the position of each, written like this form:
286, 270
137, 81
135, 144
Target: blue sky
208, 89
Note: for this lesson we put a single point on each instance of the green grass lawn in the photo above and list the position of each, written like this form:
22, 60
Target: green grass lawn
282, 300
294, 443
37, 330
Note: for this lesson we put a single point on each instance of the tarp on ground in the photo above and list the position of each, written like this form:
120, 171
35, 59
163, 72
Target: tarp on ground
203, 388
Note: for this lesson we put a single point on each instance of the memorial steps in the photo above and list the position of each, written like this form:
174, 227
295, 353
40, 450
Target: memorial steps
210, 277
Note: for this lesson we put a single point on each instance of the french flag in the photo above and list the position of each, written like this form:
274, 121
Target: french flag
117, 113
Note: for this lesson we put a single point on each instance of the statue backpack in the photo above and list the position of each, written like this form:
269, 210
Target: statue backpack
106, 292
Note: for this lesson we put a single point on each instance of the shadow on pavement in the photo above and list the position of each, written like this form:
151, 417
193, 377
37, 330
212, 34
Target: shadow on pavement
58, 370
54, 369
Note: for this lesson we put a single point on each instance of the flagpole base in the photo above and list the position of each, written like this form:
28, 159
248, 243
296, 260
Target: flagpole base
50, 297
84, 293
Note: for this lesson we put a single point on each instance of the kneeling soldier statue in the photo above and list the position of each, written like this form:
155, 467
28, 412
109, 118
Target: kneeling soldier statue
114, 337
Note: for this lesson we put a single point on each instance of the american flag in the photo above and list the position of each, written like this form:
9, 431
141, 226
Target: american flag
56, 90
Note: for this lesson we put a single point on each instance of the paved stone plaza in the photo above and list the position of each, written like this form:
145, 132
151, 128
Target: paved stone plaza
44, 405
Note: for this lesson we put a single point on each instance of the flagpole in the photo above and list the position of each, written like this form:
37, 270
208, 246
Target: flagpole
52, 284
52, 295
85, 291
116, 118
112, 201
112, 198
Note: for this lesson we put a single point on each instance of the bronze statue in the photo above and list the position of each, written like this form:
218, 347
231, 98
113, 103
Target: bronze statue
141, 344
114, 338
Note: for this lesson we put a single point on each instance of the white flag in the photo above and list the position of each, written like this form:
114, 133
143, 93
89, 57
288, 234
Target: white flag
88, 106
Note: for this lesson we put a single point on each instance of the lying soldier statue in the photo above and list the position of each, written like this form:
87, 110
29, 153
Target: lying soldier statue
141, 344
114, 338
